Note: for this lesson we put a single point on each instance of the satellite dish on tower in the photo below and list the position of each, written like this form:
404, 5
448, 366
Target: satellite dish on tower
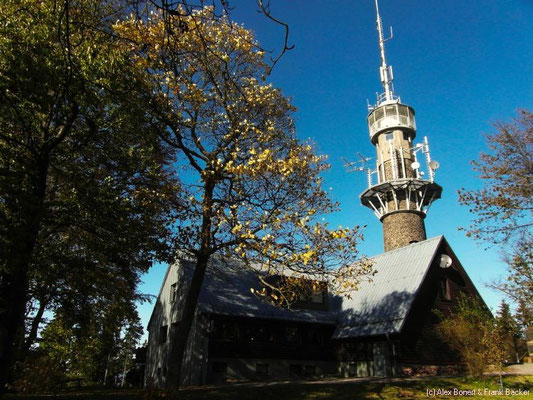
433, 165
445, 261
415, 165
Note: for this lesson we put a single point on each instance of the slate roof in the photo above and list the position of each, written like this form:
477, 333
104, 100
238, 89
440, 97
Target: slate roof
378, 307
226, 291
381, 306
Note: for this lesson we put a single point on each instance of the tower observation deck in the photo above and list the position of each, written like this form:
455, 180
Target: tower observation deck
400, 191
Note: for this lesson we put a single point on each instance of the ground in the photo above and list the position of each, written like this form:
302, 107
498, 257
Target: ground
342, 389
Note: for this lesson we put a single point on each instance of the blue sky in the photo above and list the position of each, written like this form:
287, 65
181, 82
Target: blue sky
462, 65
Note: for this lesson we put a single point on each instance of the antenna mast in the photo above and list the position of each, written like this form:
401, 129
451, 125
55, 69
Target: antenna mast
385, 71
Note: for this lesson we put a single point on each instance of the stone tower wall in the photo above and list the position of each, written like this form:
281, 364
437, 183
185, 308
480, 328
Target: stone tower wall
404, 225
401, 228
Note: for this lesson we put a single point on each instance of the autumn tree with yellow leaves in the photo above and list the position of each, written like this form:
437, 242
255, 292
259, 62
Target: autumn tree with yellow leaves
251, 190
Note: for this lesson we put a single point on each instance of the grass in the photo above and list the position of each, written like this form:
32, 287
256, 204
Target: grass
340, 389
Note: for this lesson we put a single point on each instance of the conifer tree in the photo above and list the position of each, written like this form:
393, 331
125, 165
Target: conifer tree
524, 314
509, 331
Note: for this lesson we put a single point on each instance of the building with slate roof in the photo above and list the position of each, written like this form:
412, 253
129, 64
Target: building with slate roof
384, 328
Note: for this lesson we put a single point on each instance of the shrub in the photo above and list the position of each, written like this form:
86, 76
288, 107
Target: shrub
473, 333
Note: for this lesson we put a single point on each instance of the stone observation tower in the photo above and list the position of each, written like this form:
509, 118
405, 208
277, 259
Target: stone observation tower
399, 191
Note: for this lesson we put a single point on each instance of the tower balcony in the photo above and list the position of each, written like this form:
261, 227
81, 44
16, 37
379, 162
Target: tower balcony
388, 117
401, 195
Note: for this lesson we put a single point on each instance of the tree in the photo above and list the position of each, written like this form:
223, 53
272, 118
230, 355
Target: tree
93, 352
473, 333
504, 206
518, 285
176, 13
524, 314
83, 178
509, 330
252, 191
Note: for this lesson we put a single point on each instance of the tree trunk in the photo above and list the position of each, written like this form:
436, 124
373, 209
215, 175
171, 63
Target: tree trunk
123, 372
180, 336
14, 277
13, 304
515, 344
32, 334
106, 373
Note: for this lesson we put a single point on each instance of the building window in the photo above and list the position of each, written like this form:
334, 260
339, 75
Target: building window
314, 336
445, 289
389, 136
261, 369
163, 332
290, 335
174, 292
317, 297
259, 334
295, 370
220, 367
225, 330
310, 370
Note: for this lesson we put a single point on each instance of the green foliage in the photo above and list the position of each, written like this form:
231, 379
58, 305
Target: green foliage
94, 351
86, 197
475, 335
328, 390
524, 314
39, 374
509, 330
505, 319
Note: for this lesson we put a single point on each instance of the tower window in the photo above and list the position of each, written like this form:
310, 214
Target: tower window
389, 136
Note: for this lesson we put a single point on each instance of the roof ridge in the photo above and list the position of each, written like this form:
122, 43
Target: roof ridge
409, 246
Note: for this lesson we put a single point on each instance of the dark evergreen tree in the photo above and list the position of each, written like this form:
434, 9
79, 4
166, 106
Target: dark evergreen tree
524, 314
509, 331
